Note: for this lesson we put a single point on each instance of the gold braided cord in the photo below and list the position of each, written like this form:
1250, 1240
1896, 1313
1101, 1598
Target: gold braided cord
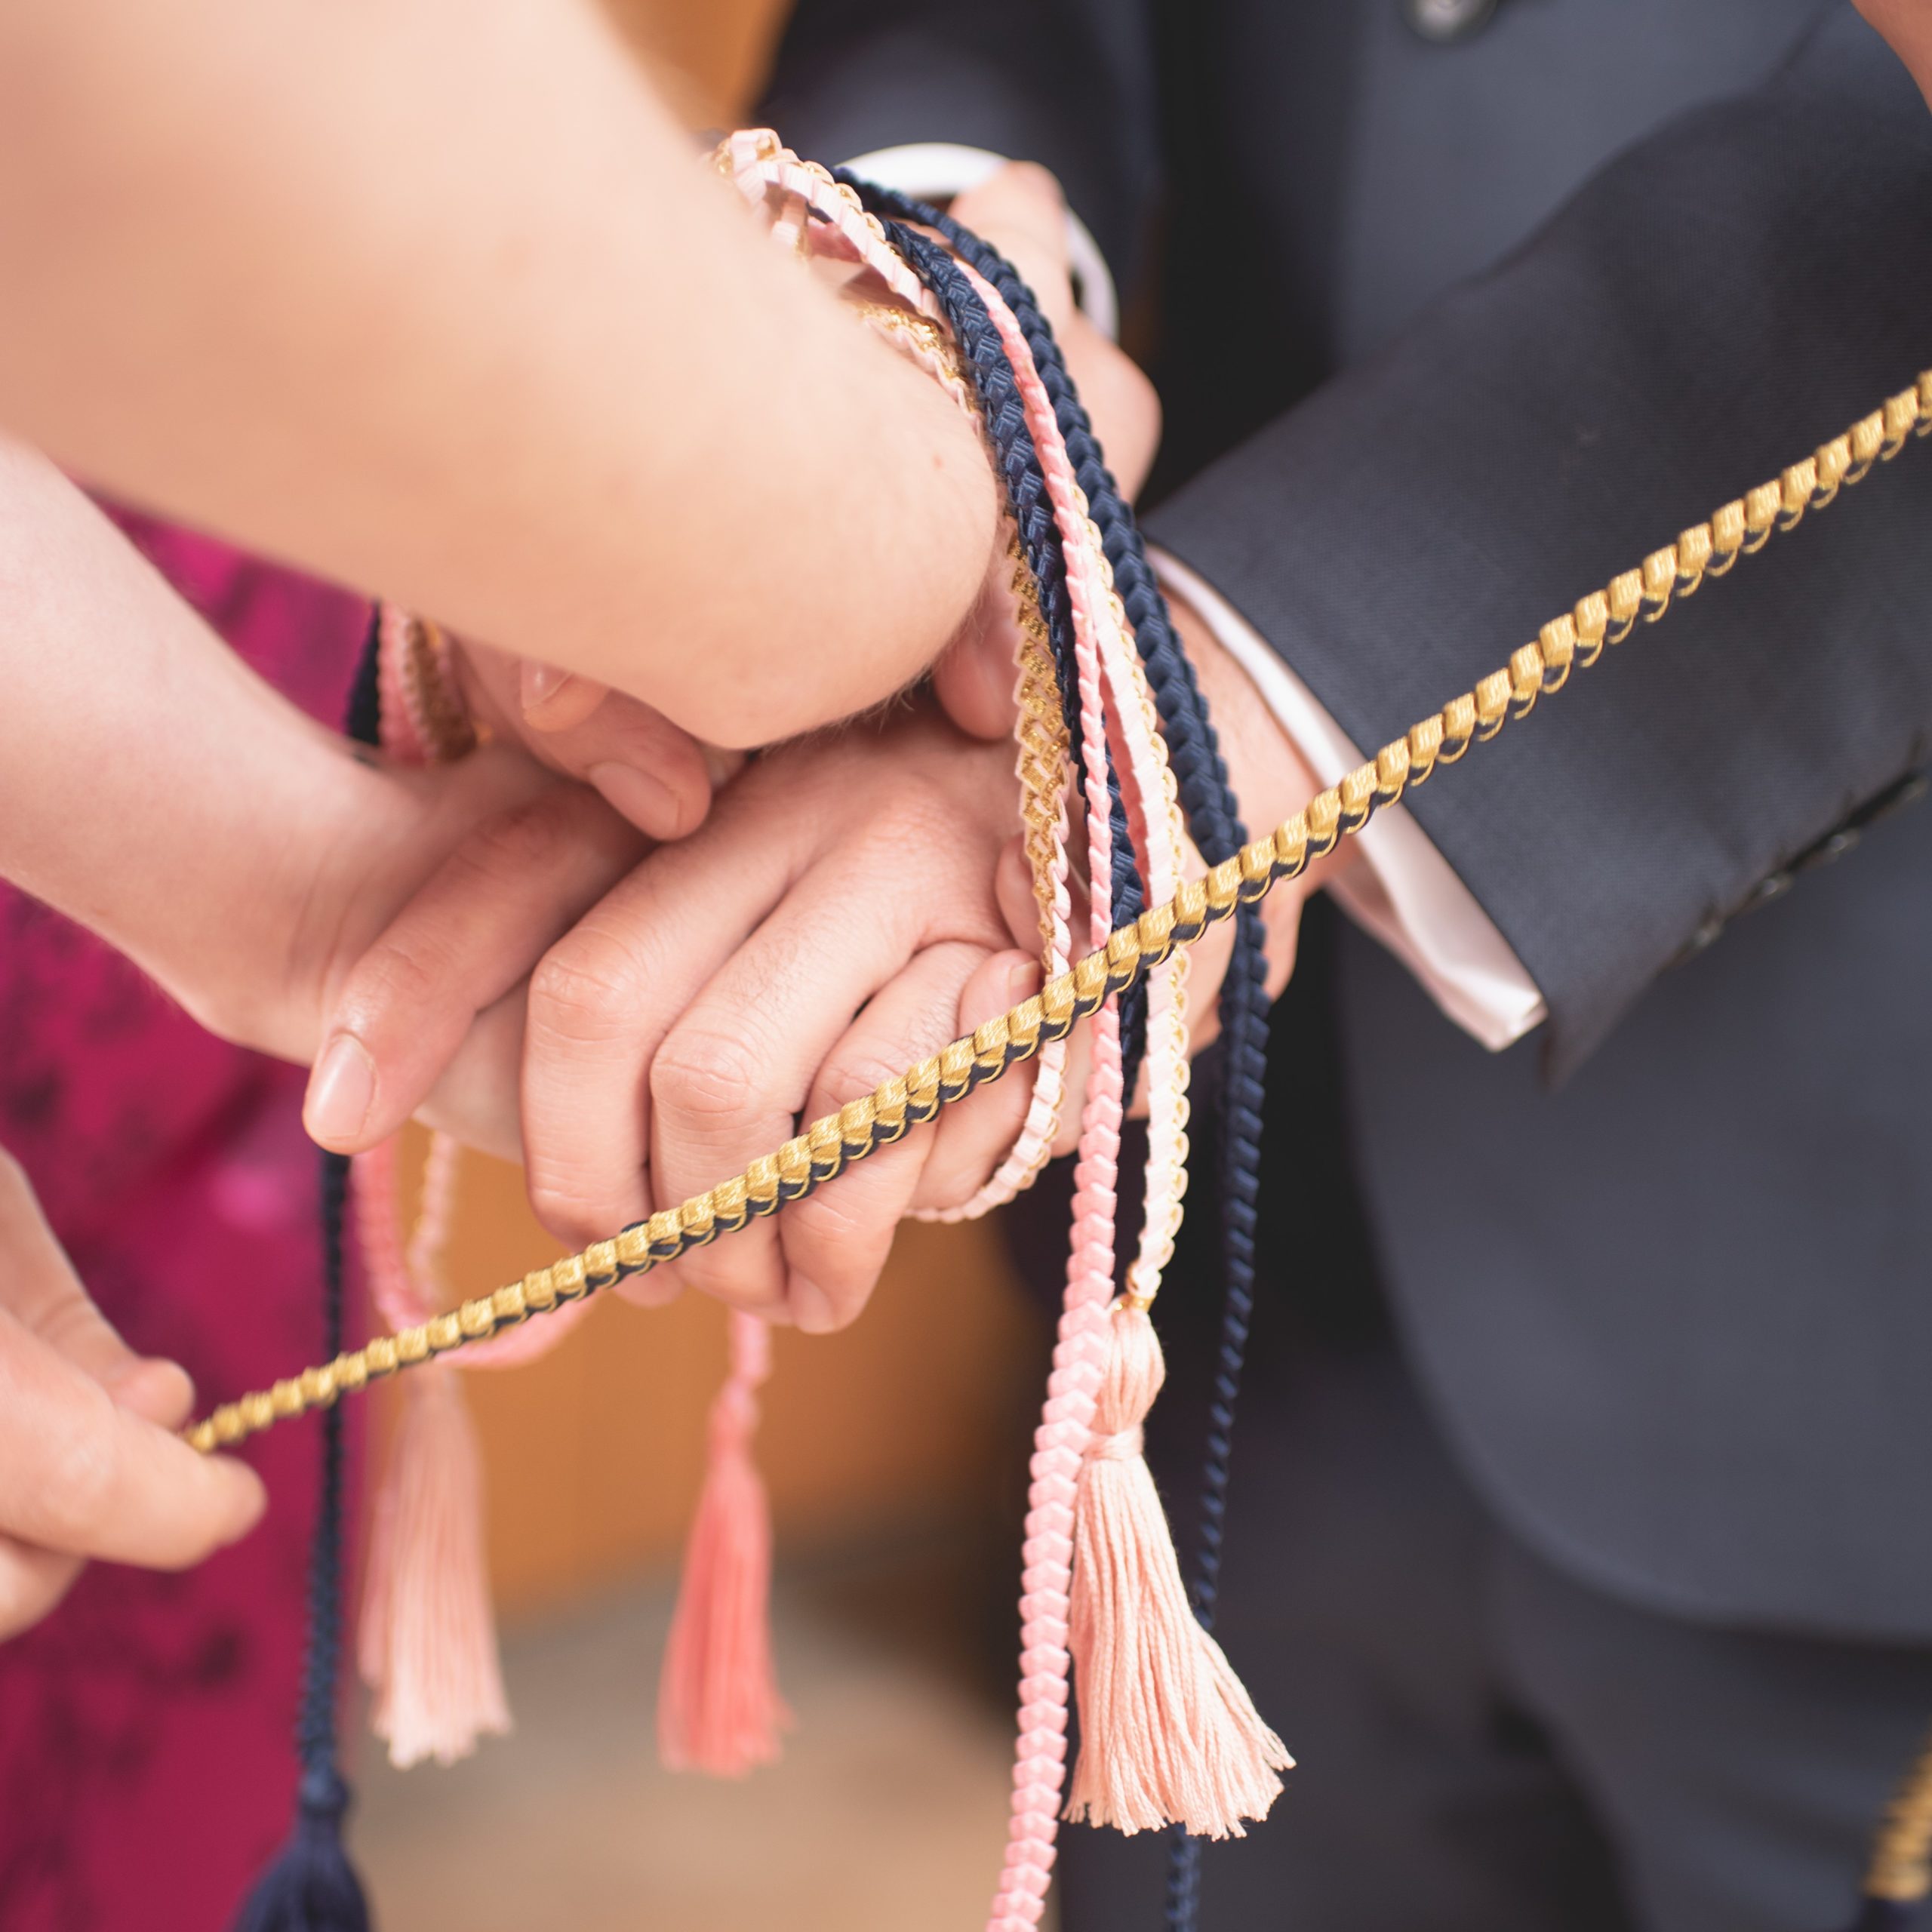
805, 1162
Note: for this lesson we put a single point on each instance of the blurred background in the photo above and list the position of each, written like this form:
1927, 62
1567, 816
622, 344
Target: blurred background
896, 1453
145, 1773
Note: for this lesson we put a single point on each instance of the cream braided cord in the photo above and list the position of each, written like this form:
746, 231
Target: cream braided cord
1573, 641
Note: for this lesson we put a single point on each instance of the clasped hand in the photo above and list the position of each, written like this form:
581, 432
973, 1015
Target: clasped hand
634, 964
855, 900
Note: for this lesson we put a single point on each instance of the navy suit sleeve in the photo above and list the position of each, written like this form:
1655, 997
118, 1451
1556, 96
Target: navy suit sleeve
1067, 83
1710, 307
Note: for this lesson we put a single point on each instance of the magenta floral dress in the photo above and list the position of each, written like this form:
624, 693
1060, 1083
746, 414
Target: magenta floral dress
145, 1767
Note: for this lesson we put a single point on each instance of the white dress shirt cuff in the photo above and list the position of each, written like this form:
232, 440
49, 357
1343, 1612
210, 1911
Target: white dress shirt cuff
1403, 890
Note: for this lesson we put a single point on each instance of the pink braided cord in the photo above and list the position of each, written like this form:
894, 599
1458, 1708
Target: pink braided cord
760, 164
1066, 1421
762, 169
1105, 663
1089, 582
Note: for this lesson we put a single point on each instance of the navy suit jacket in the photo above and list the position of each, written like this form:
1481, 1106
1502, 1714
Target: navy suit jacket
1448, 337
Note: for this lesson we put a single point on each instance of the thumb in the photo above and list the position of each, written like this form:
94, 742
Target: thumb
42, 1292
1021, 211
974, 678
87, 1467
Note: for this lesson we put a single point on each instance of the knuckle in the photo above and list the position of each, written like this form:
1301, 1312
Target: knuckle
572, 1214
397, 973
528, 837
704, 1073
851, 1074
588, 987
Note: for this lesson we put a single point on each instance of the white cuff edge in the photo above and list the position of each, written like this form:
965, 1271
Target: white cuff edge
1404, 892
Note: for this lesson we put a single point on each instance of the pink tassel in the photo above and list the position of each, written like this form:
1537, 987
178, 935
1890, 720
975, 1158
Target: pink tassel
718, 1709
427, 1644
1168, 1734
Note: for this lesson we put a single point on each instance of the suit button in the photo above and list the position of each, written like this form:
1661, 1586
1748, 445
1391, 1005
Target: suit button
1445, 20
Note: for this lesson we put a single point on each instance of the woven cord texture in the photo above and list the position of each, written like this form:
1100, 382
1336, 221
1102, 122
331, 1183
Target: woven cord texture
1214, 819
807, 1161
1019, 462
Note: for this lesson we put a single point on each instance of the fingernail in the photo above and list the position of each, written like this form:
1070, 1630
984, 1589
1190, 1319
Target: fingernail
553, 699
539, 680
1019, 983
536, 685
722, 766
811, 1307
341, 1091
647, 802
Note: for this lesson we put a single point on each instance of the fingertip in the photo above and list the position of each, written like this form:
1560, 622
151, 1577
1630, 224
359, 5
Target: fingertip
813, 1310
1037, 182
552, 700
660, 808
341, 1096
974, 683
244, 1501
157, 1390
998, 984
658, 1289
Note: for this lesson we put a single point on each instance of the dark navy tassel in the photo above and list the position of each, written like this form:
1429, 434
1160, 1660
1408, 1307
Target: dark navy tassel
311, 1887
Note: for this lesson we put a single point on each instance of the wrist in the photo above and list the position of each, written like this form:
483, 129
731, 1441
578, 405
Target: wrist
265, 989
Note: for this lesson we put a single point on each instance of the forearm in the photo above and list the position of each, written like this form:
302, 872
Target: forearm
456, 313
151, 787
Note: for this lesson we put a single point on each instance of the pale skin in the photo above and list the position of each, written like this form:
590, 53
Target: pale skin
1907, 26
475, 324
856, 901
461, 867
249, 917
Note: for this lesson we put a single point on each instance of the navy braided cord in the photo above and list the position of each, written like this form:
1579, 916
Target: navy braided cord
311, 1887
315, 1730
1214, 819
1019, 463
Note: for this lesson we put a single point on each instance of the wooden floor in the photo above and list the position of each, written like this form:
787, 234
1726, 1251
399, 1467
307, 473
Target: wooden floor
887, 1815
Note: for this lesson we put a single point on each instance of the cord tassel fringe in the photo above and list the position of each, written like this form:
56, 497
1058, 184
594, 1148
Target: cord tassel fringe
427, 1641
1168, 1734
718, 1709
311, 1887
